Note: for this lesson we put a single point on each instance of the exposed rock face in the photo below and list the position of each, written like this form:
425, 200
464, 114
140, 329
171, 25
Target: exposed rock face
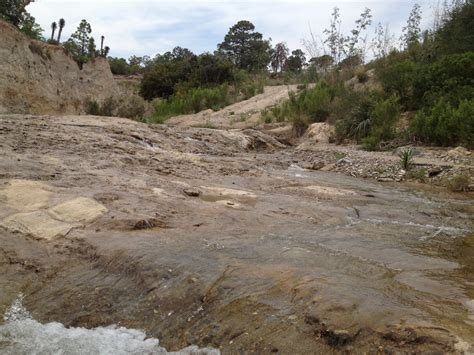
319, 132
40, 78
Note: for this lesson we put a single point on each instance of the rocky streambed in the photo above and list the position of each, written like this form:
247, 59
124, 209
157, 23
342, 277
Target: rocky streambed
221, 239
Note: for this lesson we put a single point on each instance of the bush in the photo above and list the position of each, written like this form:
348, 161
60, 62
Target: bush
92, 108
459, 183
397, 78
451, 77
406, 159
446, 125
133, 108
371, 120
362, 76
192, 101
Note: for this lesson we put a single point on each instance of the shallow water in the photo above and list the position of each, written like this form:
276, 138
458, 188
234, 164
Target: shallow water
266, 259
23, 335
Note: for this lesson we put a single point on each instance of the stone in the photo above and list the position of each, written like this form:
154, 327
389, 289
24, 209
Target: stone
81, 209
38, 224
344, 161
435, 171
328, 167
459, 152
313, 166
192, 192
26, 195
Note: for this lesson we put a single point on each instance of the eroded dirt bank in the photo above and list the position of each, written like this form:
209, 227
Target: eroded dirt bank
217, 238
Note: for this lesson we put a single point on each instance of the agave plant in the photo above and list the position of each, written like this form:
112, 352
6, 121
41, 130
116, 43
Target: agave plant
406, 158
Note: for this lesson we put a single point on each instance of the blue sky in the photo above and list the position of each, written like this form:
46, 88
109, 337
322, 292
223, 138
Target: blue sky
147, 27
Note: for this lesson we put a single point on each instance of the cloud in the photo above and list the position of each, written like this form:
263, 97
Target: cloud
147, 27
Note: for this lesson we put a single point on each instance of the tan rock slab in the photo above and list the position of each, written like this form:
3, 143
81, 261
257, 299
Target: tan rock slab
78, 210
26, 195
38, 224
326, 190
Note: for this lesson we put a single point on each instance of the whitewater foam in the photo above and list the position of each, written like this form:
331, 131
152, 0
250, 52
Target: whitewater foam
23, 335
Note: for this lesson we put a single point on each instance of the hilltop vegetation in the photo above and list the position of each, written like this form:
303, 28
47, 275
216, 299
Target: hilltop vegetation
427, 76
430, 78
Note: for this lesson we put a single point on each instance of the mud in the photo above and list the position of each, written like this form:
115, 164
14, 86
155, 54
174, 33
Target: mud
263, 256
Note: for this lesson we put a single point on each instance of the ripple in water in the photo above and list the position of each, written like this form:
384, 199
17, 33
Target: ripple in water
21, 334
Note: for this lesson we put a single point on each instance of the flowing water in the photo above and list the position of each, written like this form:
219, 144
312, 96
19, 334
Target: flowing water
264, 258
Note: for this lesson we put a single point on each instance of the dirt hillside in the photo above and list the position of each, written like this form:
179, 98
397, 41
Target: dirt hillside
40, 78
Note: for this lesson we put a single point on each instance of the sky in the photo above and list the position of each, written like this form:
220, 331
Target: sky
148, 27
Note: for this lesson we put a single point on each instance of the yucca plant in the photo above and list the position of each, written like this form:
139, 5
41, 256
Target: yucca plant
406, 158
62, 23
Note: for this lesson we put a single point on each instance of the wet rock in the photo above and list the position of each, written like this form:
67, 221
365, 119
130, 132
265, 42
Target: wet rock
192, 192
313, 166
328, 167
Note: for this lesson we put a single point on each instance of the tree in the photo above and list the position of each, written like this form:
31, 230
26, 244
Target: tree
382, 44
279, 57
455, 35
296, 62
211, 69
91, 48
102, 38
411, 33
322, 63
62, 23
334, 39
78, 44
14, 11
352, 41
31, 28
54, 26
119, 66
246, 48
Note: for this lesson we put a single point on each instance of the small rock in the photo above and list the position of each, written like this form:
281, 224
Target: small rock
192, 192
328, 167
459, 152
313, 166
385, 179
435, 171
344, 161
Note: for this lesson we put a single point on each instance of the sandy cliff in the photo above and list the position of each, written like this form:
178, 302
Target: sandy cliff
40, 78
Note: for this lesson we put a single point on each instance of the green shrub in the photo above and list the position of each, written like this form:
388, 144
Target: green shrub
192, 101
406, 159
371, 120
397, 78
451, 77
446, 125
92, 108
